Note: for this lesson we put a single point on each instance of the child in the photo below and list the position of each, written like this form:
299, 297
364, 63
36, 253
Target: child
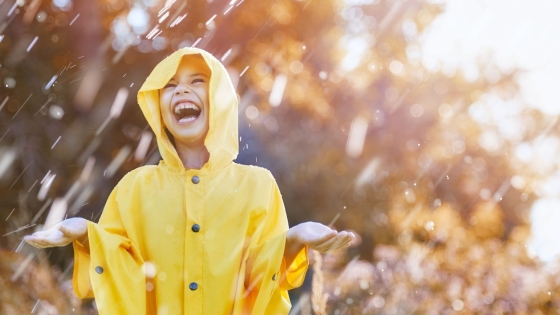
198, 233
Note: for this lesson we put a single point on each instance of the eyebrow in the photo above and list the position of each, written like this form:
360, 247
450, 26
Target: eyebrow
193, 75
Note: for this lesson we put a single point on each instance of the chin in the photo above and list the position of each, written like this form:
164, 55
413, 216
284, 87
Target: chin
189, 135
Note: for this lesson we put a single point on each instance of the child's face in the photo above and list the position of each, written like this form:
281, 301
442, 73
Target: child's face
184, 101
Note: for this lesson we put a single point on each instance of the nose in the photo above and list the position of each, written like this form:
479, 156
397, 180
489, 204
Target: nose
181, 89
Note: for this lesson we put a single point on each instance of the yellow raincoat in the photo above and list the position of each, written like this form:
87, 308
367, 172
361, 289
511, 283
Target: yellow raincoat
177, 241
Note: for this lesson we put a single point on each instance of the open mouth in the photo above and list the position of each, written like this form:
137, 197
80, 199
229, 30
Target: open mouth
186, 112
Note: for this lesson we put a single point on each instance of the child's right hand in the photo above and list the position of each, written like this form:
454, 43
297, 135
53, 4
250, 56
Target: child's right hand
61, 234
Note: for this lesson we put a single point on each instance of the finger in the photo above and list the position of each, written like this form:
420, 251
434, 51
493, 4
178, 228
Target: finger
41, 233
69, 232
344, 239
345, 242
41, 241
57, 239
328, 244
34, 241
323, 238
29, 240
46, 233
65, 230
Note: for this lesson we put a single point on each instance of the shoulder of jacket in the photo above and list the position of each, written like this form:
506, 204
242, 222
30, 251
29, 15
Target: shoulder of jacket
141, 171
260, 173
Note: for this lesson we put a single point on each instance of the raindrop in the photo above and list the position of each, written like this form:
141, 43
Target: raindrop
252, 112
224, 57
9, 82
409, 29
149, 286
143, 146
356, 137
518, 182
396, 67
364, 285
416, 110
296, 67
445, 110
271, 124
457, 305
243, 72
58, 139
413, 53
160, 43
56, 112
211, 19
35, 306
41, 17
424, 160
458, 146
51, 82
485, 194
391, 94
74, 19
149, 269
429, 226
524, 151
138, 18
277, 90
64, 5
378, 302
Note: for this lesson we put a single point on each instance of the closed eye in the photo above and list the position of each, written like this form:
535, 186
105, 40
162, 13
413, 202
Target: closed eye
197, 80
170, 85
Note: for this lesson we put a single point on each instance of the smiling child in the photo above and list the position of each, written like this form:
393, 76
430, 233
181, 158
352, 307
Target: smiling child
198, 233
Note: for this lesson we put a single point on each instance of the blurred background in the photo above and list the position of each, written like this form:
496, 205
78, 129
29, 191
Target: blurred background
430, 128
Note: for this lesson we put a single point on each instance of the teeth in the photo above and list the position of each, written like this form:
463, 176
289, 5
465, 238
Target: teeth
184, 106
183, 120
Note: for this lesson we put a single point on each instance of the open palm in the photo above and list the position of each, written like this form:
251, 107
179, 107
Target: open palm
322, 238
61, 234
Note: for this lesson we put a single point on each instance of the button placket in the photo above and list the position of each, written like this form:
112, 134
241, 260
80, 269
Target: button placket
194, 239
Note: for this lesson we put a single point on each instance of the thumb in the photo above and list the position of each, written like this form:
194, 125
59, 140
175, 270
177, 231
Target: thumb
65, 230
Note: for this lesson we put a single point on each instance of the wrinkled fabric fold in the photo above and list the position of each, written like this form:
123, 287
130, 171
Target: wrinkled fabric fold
111, 271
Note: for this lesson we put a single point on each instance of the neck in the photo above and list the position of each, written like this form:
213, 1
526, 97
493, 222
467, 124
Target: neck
192, 156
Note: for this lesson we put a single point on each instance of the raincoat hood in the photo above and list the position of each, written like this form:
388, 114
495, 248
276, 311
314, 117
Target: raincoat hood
221, 140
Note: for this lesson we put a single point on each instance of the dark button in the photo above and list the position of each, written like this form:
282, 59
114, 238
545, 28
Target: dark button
99, 269
196, 179
195, 228
193, 286
274, 277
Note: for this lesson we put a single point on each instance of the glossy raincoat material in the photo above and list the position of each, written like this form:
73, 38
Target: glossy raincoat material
196, 241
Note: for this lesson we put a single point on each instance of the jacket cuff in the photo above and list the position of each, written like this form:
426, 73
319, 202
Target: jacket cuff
295, 273
80, 279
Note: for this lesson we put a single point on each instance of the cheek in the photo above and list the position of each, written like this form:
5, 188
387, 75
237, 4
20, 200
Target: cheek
164, 102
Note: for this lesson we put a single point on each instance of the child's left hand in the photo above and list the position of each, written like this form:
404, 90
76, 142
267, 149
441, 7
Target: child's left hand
316, 236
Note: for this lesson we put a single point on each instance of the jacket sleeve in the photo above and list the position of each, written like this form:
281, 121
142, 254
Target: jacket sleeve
111, 271
267, 277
